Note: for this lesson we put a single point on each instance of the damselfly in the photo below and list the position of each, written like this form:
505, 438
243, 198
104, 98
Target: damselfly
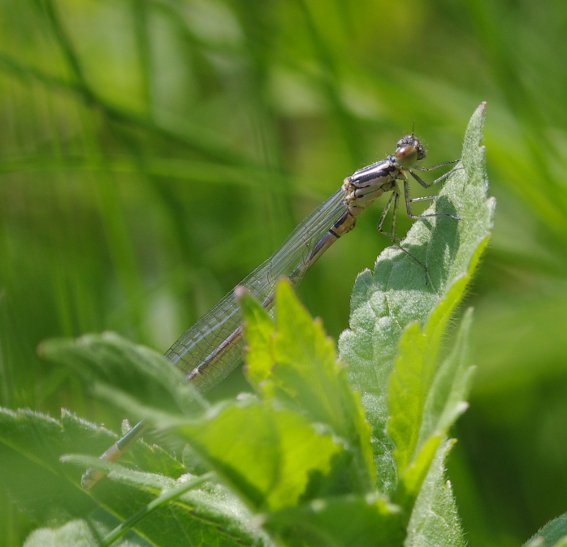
211, 348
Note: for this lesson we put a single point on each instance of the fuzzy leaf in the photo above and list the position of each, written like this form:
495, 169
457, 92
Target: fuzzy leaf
395, 295
553, 534
307, 377
434, 521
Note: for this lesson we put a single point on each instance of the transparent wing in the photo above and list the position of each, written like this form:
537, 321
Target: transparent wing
218, 326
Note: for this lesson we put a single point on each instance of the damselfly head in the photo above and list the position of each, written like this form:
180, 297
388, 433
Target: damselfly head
409, 150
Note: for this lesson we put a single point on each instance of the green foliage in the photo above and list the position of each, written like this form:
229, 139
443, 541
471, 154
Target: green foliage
553, 534
103, 360
298, 458
153, 152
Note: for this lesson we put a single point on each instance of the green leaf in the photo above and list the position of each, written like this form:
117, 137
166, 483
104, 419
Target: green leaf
31, 445
306, 376
338, 521
165, 497
308, 439
434, 520
268, 456
259, 329
83, 533
551, 535
446, 399
209, 514
424, 401
77, 533
110, 360
394, 296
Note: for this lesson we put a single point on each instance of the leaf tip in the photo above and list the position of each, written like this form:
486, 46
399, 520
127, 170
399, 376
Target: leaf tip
240, 291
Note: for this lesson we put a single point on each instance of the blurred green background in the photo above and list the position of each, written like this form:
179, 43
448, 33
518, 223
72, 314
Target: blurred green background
153, 152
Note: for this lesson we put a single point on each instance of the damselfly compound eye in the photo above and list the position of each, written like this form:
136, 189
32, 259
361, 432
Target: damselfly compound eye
409, 151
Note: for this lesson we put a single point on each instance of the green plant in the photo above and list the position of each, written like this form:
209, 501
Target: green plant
308, 459
143, 142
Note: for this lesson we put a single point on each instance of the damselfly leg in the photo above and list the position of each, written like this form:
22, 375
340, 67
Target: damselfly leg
393, 205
